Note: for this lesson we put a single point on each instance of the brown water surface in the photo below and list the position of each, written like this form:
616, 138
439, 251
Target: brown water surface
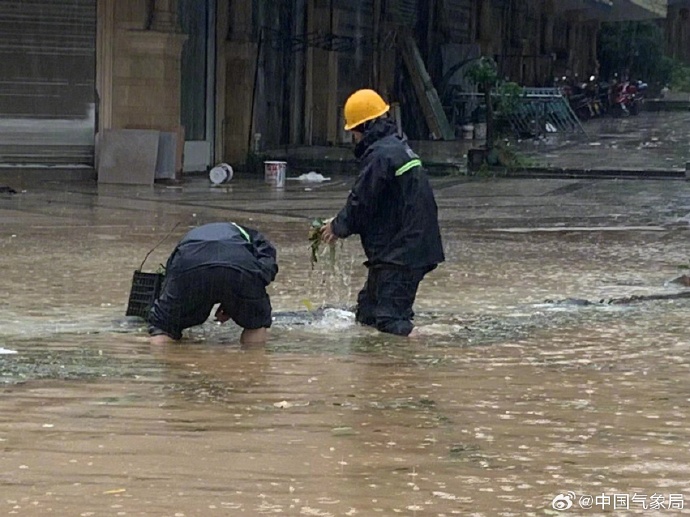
504, 403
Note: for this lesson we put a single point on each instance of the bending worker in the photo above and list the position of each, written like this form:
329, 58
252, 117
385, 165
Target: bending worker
221, 263
392, 208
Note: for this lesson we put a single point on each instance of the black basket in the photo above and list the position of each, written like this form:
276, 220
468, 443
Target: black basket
145, 289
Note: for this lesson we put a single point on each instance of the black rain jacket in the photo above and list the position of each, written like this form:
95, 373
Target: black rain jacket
228, 245
391, 205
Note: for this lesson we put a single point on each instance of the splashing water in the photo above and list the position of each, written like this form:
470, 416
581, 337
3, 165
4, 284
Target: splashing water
330, 283
335, 319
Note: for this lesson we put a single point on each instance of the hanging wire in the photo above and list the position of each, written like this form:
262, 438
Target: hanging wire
159, 243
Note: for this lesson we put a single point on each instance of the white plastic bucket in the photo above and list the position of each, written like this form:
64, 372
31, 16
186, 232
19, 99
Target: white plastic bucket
274, 173
221, 173
467, 132
480, 131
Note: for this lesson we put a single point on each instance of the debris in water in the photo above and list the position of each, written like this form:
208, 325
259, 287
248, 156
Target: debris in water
5, 351
570, 301
342, 431
116, 491
284, 404
312, 176
682, 280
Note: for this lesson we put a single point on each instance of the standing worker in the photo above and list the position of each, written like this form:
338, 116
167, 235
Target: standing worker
221, 263
392, 208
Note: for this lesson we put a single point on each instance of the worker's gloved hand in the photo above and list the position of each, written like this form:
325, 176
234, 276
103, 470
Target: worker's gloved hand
221, 315
327, 234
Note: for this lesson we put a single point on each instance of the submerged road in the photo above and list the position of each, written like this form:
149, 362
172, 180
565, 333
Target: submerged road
507, 404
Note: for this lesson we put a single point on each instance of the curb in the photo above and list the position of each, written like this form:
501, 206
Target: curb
558, 172
459, 169
10, 174
444, 170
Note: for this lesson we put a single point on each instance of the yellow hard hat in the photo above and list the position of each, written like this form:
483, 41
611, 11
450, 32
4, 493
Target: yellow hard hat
363, 105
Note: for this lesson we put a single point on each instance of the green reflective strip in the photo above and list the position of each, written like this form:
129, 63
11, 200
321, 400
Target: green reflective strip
409, 165
243, 232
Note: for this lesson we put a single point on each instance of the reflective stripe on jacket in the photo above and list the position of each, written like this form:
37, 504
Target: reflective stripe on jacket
228, 245
391, 205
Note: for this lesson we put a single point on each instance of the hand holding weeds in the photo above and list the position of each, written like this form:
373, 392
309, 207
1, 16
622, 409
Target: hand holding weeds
321, 231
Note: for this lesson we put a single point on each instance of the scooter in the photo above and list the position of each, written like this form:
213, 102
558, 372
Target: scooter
585, 100
626, 99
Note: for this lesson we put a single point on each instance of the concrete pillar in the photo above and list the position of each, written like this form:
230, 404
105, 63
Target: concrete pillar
681, 41
549, 23
486, 28
138, 70
146, 80
387, 66
222, 32
164, 16
132, 14
238, 59
105, 36
593, 60
240, 21
675, 33
308, 122
240, 65
324, 83
574, 39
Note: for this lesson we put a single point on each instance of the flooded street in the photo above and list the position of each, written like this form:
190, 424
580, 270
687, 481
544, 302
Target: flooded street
526, 383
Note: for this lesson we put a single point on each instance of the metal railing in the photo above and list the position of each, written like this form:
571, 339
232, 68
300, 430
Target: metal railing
540, 111
544, 110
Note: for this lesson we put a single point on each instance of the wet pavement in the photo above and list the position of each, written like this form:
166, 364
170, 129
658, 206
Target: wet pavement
516, 392
654, 143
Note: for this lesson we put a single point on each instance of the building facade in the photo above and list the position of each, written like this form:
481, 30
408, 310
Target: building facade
241, 76
677, 29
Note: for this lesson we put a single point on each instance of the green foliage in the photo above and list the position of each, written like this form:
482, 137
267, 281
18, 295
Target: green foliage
484, 73
637, 49
484, 171
500, 161
634, 48
509, 94
314, 237
500, 95
680, 77
509, 158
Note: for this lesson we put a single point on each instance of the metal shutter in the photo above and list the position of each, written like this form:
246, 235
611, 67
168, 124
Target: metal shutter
47, 81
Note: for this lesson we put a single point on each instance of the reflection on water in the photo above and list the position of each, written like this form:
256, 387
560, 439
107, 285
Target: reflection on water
363, 424
504, 402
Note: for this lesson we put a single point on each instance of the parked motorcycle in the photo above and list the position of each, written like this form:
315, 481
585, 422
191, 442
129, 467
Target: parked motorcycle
626, 98
585, 99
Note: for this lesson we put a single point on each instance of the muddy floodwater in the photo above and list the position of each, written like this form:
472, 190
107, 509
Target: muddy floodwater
528, 392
